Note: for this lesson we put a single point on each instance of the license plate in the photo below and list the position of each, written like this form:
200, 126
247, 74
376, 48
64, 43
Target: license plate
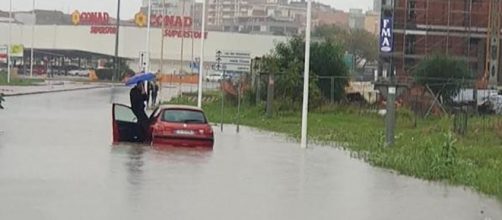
184, 132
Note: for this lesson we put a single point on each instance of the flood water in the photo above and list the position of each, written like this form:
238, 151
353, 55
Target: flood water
57, 162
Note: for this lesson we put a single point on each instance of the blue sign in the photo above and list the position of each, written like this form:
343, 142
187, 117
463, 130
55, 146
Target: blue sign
386, 35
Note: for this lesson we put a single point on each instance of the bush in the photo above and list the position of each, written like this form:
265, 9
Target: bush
287, 64
444, 75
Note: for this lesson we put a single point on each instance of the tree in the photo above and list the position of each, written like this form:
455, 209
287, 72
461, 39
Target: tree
362, 44
443, 74
286, 62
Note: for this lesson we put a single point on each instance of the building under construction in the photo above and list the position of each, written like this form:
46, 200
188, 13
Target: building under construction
465, 29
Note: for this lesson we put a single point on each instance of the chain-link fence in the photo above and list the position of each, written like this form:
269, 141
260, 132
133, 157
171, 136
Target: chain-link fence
457, 99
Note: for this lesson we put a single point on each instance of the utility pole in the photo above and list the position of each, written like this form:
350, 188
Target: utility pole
162, 36
162, 32
192, 6
180, 91
10, 43
390, 116
147, 66
182, 35
306, 75
201, 64
32, 38
117, 63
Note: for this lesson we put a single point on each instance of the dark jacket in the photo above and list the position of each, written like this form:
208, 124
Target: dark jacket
138, 102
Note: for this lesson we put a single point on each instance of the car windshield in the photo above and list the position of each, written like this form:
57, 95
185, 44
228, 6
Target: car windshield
184, 116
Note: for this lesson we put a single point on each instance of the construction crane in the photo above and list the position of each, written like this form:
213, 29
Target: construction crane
490, 76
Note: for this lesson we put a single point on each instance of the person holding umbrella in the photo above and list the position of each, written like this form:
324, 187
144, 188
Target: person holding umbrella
138, 98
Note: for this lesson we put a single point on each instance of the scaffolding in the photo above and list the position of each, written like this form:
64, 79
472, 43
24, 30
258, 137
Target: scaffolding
459, 28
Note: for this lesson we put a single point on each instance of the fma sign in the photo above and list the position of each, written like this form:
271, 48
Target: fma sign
386, 36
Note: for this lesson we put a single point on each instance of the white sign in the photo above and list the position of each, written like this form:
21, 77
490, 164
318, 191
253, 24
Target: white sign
3, 53
228, 53
234, 61
392, 90
236, 68
143, 58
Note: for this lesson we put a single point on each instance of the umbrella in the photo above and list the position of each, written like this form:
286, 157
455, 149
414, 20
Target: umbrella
140, 78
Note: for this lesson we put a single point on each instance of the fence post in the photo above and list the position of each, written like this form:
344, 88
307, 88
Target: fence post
332, 90
257, 84
416, 112
222, 100
239, 106
390, 117
270, 94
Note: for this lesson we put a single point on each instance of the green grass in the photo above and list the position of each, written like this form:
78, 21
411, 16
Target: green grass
428, 151
18, 81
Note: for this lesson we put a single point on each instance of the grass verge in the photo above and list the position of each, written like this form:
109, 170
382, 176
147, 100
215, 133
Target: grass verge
17, 81
428, 151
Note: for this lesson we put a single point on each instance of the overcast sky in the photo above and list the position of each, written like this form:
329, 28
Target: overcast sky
130, 7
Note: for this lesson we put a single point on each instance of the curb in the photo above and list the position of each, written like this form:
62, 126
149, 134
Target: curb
53, 91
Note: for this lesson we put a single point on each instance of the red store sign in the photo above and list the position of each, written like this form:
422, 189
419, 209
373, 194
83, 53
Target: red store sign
103, 30
184, 34
99, 21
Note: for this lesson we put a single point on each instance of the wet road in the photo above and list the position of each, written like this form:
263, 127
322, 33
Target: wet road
56, 162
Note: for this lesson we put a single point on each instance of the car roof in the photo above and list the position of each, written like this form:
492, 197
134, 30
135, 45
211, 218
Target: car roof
187, 107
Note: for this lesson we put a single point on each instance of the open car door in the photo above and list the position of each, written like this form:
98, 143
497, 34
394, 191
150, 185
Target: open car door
125, 126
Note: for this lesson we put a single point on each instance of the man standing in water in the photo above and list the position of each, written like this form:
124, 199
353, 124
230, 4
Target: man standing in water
138, 98
1, 100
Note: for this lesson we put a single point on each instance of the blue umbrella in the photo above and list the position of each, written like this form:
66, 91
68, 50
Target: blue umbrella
140, 78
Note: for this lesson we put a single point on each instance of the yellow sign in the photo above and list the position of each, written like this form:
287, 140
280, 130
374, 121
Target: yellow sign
17, 50
75, 17
140, 19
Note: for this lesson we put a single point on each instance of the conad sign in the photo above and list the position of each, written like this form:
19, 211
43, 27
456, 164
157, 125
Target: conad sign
99, 21
175, 26
90, 18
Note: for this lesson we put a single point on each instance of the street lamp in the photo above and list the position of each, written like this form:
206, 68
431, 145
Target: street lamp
9, 44
306, 74
32, 38
201, 64
147, 66
117, 63
163, 29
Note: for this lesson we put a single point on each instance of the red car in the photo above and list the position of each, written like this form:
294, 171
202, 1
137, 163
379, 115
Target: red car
170, 125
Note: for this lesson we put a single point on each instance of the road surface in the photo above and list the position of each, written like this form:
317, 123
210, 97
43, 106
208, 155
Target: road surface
57, 163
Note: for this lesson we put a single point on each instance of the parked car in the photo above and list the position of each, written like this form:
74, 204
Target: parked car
25, 69
216, 76
170, 125
79, 72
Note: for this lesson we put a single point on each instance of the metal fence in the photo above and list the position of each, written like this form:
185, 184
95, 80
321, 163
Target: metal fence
276, 93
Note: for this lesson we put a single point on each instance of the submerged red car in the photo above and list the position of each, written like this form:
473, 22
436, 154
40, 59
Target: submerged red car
170, 125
